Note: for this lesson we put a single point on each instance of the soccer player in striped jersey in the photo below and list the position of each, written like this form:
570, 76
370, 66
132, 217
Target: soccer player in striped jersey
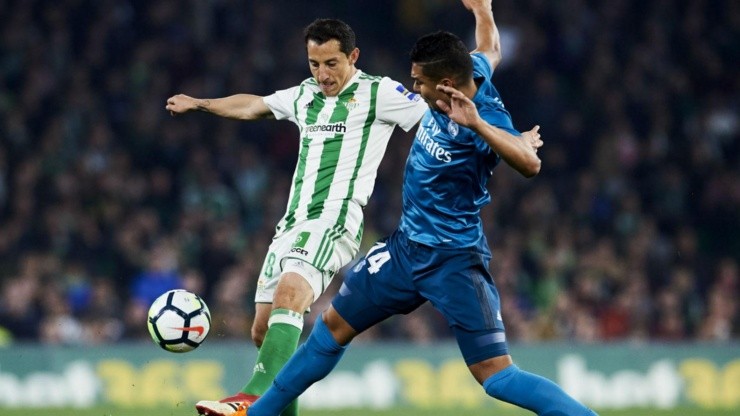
345, 118
439, 253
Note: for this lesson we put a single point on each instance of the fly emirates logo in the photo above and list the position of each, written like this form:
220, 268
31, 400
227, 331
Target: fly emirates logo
430, 145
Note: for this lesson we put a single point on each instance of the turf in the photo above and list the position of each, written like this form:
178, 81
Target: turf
187, 411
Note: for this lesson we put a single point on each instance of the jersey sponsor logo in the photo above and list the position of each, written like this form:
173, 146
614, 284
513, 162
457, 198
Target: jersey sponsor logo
327, 128
410, 95
432, 146
299, 250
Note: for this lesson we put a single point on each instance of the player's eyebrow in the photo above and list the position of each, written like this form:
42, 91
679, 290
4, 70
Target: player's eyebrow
328, 61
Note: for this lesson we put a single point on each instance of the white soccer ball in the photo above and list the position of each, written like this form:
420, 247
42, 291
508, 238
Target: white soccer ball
179, 321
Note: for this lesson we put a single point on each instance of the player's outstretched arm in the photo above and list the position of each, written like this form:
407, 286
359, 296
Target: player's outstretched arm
519, 152
239, 106
487, 38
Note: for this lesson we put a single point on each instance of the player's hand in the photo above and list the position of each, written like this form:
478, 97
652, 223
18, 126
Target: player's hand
477, 4
532, 138
180, 104
461, 109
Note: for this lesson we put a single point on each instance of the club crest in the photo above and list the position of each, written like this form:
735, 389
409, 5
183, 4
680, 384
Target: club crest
453, 128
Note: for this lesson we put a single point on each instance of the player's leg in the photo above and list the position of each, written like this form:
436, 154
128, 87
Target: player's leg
494, 369
314, 251
463, 290
372, 291
268, 281
259, 325
312, 361
297, 269
284, 326
524, 389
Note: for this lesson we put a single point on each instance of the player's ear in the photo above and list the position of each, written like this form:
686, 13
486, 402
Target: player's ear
354, 55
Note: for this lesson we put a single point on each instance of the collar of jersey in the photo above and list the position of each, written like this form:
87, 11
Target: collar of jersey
351, 81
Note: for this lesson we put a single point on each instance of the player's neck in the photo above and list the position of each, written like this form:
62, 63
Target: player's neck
469, 89
349, 79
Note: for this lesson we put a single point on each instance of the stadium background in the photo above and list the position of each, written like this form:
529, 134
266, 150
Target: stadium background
629, 235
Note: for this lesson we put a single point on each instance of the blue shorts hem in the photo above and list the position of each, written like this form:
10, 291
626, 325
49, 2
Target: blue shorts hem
484, 355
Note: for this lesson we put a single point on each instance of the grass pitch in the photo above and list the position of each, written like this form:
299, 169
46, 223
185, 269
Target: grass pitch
188, 411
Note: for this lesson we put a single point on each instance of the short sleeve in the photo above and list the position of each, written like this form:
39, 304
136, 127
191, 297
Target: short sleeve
481, 66
282, 103
397, 105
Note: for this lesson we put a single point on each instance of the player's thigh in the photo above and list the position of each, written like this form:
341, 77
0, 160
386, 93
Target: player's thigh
462, 289
377, 287
312, 249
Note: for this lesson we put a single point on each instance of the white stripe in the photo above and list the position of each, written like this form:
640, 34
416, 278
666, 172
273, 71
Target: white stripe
286, 319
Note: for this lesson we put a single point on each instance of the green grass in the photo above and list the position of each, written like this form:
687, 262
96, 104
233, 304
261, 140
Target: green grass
187, 411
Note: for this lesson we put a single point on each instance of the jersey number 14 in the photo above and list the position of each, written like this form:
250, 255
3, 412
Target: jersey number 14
376, 260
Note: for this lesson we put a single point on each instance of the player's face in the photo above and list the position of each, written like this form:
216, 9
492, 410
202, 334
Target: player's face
427, 87
331, 68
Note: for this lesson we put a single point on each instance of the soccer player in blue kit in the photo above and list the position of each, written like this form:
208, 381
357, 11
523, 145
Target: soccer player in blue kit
439, 252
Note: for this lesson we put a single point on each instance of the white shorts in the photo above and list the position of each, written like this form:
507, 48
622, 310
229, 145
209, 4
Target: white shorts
312, 249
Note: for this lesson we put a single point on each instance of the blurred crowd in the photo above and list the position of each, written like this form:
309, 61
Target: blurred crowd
631, 232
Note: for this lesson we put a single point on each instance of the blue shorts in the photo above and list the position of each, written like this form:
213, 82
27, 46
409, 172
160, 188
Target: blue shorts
398, 275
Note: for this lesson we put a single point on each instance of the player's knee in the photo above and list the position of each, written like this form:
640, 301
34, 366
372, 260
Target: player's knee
486, 368
295, 290
293, 293
340, 329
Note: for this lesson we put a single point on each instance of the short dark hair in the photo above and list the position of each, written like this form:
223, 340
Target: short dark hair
324, 30
443, 55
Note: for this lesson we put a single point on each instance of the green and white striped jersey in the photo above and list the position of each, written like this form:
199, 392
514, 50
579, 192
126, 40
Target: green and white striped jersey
342, 141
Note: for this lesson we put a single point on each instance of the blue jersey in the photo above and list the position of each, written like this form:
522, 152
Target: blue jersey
447, 172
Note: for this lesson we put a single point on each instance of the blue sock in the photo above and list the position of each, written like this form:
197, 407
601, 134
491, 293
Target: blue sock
534, 393
310, 363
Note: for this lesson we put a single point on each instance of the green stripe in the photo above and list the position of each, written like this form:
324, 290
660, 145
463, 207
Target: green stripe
327, 256
368, 77
317, 104
358, 236
312, 115
300, 171
361, 154
295, 102
326, 249
320, 250
330, 156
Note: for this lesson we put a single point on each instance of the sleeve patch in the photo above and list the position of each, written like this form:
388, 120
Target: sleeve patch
409, 95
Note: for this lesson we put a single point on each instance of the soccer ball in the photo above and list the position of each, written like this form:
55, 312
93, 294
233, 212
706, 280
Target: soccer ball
179, 321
